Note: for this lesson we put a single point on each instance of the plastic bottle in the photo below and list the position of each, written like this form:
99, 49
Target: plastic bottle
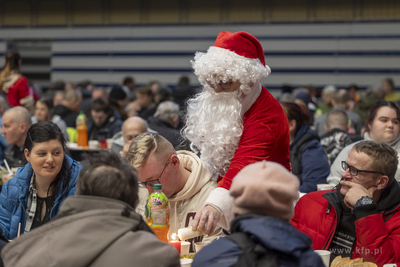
157, 213
81, 128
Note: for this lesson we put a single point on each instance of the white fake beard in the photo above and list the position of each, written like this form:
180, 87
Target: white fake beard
214, 126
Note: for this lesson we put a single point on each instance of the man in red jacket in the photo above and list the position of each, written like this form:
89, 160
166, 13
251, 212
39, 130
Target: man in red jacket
360, 218
234, 121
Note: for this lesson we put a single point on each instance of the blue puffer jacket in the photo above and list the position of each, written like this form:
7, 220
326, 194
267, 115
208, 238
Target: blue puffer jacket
292, 247
14, 198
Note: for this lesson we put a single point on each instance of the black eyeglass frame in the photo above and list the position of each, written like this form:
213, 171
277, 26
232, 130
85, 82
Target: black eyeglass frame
346, 166
155, 181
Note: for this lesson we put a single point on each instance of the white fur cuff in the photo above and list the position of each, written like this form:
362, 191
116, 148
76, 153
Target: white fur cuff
220, 199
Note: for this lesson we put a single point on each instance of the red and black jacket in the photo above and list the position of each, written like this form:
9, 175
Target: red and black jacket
377, 225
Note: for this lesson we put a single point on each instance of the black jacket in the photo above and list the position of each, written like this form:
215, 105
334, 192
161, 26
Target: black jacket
67, 115
165, 129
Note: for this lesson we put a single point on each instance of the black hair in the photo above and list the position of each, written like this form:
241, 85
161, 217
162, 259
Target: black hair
128, 80
43, 132
13, 58
47, 101
100, 104
297, 113
108, 175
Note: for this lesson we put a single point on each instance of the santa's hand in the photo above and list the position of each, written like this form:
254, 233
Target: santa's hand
206, 219
355, 192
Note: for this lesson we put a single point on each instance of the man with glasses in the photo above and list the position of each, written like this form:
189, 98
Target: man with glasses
359, 219
185, 179
234, 121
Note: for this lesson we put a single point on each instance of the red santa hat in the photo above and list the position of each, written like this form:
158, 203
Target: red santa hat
242, 43
233, 57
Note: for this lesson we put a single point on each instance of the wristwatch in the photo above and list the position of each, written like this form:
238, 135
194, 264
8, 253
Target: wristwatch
363, 201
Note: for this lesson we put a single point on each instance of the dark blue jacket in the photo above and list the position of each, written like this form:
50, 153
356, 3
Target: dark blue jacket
110, 127
15, 193
314, 162
3, 146
292, 247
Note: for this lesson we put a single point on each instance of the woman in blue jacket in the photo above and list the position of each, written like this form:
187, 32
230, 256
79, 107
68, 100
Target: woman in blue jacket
35, 194
307, 156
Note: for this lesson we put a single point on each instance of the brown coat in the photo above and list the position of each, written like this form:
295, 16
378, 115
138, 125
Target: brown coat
91, 231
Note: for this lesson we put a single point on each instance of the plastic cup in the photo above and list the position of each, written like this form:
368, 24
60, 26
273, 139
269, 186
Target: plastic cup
324, 187
325, 256
186, 262
109, 143
199, 245
93, 144
6, 177
185, 246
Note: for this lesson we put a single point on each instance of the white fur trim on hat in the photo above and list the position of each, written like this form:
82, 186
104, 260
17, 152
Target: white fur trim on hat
222, 65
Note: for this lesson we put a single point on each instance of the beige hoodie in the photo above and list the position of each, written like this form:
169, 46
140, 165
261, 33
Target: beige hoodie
191, 198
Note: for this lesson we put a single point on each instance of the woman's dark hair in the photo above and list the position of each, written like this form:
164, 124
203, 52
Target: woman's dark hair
374, 110
43, 132
108, 175
47, 101
13, 58
295, 112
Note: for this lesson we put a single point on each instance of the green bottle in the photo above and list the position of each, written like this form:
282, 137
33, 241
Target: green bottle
157, 213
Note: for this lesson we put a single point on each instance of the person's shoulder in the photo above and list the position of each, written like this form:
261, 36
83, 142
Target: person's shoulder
74, 165
313, 197
137, 242
215, 253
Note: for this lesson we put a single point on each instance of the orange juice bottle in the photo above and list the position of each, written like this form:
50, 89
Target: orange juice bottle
157, 213
81, 128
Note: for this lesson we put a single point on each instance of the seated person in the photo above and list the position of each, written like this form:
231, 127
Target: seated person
104, 122
98, 226
360, 219
263, 206
131, 128
166, 121
44, 110
307, 157
383, 125
185, 179
15, 124
35, 194
336, 137
144, 102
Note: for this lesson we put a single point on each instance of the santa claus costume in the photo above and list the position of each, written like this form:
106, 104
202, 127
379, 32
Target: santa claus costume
234, 129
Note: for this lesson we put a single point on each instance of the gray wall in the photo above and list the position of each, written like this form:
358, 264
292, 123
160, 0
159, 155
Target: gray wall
298, 53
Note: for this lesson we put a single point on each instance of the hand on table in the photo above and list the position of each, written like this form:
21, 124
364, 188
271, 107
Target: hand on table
355, 192
206, 219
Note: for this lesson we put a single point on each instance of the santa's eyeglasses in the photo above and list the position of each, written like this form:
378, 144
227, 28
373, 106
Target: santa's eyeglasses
225, 86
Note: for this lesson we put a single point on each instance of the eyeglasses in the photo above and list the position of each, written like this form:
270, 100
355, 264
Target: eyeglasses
225, 86
353, 171
155, 181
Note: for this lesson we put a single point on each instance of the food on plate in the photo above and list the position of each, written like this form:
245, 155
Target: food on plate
187, 256
347, 262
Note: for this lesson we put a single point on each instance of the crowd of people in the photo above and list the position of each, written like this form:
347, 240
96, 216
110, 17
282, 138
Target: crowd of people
236, 163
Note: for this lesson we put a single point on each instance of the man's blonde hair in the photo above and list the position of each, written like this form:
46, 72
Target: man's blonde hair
146, 143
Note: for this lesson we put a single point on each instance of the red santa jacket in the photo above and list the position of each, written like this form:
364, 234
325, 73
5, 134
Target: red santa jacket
18, 91
377, 235
265, 136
